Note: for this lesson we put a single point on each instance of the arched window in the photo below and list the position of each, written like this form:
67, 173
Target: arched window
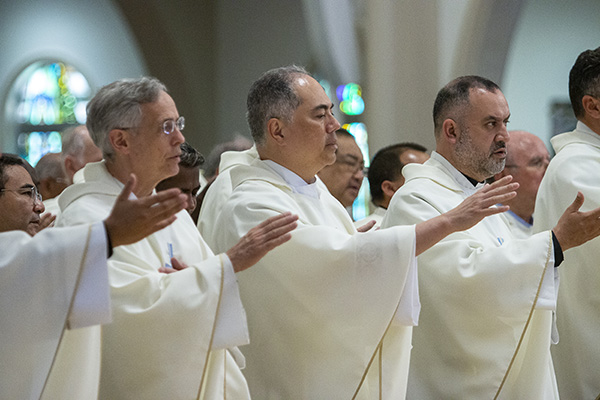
46, 98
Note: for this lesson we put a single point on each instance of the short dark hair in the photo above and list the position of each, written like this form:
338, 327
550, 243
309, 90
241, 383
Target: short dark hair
455, 95
190, 157
7, 160
584, 79
386, 166
272, 95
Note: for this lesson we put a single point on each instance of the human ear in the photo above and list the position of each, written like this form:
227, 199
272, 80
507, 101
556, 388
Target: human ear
275, 129
591, 105
389, 188
450, 130
119, 139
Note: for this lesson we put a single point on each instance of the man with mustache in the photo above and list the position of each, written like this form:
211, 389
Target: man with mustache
485, 325
320, 305
56, 282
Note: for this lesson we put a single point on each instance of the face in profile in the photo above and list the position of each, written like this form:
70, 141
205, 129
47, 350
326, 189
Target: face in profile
20, 208
344, 177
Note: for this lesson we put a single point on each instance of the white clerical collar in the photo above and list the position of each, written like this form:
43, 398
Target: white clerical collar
462, 180
297, 184
586, 129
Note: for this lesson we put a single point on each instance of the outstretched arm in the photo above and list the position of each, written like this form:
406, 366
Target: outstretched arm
261, 239
574, 227
133, 220
467, 214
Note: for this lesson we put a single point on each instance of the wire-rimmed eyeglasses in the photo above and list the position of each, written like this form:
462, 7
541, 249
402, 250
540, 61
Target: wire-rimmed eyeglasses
168, 126
31, 191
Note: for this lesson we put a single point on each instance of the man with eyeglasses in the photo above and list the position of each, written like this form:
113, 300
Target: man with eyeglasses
526, 161
176, 307
576, 168
320, 305
344, 177
57, 281
188, 178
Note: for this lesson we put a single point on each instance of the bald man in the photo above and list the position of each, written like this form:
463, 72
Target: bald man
526, 160
78, 149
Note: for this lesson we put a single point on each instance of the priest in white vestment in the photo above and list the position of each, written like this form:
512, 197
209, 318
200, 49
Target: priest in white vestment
51, 284
331, 311
177, 316
575, 169
485, 326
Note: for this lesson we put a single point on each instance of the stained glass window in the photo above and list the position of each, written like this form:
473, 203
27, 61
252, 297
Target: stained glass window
360, 207
48, 97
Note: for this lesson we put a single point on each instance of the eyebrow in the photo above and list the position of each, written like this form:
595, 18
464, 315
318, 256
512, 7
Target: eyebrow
323, 107
27, 186
355, 158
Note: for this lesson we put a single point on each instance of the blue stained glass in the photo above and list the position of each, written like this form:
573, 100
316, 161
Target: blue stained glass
51, 97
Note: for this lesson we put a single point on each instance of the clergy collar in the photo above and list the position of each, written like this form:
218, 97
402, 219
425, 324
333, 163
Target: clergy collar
586, 129
297, 184
469, 185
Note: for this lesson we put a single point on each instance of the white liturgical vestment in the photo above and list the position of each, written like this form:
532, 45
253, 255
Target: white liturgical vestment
484, 330
376, 216
576, 167
320, 305
169, 331
520, 228
220, 190
49, 284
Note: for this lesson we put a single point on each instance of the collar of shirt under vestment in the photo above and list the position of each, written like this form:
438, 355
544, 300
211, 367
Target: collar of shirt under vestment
586, 129
297, 184
461, 179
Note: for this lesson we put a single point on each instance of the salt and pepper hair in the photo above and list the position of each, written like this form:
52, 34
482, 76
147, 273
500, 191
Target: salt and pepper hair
386, 166
118, 105
584, 79
452, 98
190, 157
272, 96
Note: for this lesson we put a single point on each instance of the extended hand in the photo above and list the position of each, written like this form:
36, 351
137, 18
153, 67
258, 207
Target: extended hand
46, 220
479, 205
133, 220
261, 239
176, 266
468, 213
574, 227
366, 227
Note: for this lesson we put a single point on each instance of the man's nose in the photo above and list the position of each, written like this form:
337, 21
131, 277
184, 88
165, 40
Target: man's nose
334, 125
38, 206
